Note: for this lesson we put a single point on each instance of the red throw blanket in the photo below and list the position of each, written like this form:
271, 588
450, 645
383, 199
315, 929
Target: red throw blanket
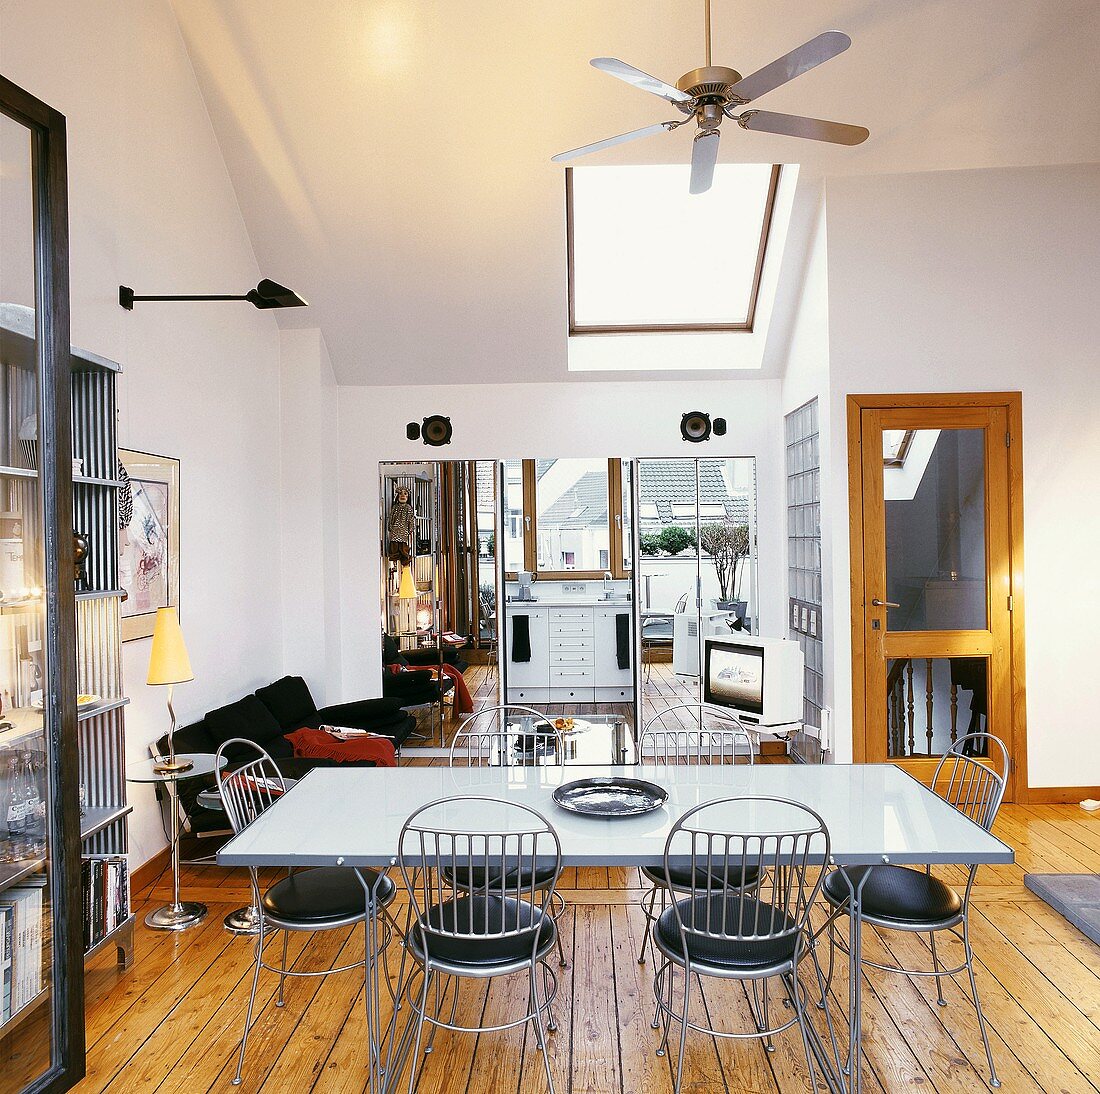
316, 744
463, 704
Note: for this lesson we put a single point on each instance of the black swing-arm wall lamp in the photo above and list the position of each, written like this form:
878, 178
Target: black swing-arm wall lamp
267, 294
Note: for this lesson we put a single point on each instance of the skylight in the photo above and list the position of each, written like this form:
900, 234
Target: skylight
645, 255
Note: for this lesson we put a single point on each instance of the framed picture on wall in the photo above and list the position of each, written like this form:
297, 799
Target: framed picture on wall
149, 541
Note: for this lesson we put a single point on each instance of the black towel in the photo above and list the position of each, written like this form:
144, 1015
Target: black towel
521, 638
622, 640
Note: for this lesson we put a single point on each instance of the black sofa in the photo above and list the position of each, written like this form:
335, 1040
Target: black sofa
265, 717
412, 686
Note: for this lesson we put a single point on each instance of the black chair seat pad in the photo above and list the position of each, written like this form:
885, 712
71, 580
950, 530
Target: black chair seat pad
475, 915
706, 914
325, 894
897, 893
474, 876
681, 876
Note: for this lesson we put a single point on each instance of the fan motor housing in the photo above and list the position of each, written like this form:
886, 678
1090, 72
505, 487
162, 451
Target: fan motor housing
712, 83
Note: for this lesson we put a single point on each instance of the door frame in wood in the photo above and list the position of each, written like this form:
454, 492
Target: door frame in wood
1012, 402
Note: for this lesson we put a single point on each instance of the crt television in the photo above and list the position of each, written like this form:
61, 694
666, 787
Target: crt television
760, 679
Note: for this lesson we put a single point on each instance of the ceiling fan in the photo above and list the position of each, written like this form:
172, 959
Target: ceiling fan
712, 93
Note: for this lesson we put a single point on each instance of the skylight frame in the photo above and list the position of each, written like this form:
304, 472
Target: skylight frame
744, 327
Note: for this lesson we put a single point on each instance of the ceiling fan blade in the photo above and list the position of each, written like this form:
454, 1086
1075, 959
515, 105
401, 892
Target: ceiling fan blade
637, 78
610, 142
809, 55
792, 125
704, 155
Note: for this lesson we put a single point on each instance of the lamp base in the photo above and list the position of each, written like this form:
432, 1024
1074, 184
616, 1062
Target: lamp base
173, 767
176, 917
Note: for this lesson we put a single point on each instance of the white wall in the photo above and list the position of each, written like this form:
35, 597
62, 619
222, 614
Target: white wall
510, 421
987, 280
151, 206
807, 377
310, 513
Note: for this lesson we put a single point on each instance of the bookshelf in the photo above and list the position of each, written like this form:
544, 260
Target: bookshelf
28, 904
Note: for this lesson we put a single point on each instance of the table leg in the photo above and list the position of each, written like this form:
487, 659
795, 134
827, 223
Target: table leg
177, 916
854, 1068
372, 987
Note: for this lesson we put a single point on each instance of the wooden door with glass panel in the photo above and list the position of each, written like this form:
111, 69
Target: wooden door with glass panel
934, 602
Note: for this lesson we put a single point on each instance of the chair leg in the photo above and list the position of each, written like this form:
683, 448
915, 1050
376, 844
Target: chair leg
651, 897
536, 1016
993, 1080
832, 958
414, 1059
936, 965
652, 917
438, 1014
251, 1002
282, 970
823, 987
561, 949
800, 1013
664, 1010
551, 1021
683, 1030
760, 1012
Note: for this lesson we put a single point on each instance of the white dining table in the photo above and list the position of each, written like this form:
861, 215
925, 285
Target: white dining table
875, 813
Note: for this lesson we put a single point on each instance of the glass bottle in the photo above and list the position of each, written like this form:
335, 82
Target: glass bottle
6, 848
15, 813
33, 813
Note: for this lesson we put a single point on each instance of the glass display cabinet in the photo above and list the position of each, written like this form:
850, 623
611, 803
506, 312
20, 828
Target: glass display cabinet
41, 951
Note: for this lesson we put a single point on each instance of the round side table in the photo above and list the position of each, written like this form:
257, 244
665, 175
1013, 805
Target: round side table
179, 915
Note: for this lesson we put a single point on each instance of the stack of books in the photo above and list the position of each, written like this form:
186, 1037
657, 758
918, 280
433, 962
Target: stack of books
21, 940
105, 884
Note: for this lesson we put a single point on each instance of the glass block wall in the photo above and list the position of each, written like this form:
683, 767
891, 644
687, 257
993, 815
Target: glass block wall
804, 566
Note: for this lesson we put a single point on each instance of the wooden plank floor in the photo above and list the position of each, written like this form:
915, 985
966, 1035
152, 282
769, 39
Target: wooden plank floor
172, 1023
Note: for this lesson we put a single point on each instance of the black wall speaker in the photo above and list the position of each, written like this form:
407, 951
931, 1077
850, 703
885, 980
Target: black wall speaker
412, 431
436, 430
719, 427
695, 426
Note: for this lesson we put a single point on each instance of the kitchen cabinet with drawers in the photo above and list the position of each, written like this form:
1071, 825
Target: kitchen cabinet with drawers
573, 654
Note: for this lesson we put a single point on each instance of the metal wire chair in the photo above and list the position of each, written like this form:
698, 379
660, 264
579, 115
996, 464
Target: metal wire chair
321, 899
906, 899
496, 924
511, 736
504, 736
714, 737
724, 927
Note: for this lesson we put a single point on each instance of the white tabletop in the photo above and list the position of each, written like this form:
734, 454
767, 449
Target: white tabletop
353, 816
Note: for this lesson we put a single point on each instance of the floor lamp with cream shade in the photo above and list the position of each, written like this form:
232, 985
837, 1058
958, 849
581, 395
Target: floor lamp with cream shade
169, 665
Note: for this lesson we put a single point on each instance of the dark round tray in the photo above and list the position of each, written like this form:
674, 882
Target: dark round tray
610, 797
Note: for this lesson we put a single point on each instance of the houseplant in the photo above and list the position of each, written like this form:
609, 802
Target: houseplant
728, 546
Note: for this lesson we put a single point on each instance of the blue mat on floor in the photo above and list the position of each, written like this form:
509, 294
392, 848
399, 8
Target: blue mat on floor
1076, 896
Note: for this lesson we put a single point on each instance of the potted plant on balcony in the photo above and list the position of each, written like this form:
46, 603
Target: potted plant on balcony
728, 546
